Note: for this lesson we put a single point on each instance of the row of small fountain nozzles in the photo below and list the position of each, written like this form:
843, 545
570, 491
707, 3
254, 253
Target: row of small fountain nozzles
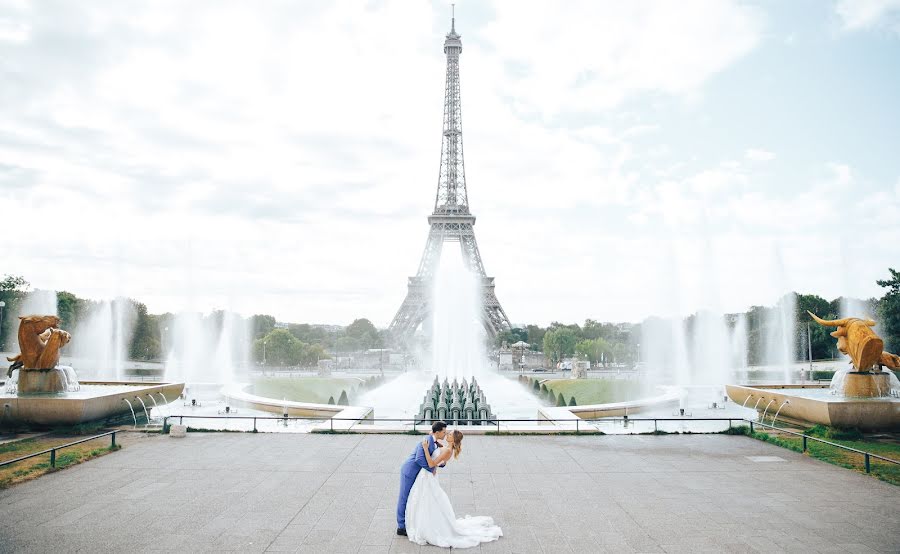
454, 400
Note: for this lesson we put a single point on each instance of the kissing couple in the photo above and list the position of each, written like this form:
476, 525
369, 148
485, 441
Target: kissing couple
424, 512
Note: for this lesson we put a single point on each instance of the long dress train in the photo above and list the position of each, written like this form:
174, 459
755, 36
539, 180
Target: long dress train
430, 518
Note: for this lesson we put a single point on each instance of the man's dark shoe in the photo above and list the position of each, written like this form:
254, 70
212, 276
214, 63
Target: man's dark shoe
401, 532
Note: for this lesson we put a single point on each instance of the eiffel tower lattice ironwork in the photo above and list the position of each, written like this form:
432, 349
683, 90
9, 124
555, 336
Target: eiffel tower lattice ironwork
451, 220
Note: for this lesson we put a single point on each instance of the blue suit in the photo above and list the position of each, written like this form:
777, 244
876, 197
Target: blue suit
408, 473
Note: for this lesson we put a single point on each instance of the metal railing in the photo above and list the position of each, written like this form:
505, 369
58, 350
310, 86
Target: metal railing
578, 422
578, 429
866, 455
52, 451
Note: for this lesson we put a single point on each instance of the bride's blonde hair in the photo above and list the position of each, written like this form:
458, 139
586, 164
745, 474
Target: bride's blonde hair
457, 443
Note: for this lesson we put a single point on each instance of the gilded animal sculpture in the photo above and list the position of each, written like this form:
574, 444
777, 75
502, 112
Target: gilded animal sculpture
39, 343
856, 339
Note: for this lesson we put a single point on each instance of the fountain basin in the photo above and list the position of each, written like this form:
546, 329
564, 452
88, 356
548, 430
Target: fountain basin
95, 401
239, 397
671, 396
815, 404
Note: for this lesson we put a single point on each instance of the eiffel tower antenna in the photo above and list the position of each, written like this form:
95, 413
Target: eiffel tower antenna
451, 220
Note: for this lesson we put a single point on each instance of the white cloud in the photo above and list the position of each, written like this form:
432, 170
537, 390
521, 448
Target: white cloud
841, 173
13, 31
282, 159
861, 14
759, 155
593, 55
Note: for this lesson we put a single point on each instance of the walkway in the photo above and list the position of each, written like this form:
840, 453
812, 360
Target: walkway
337, 493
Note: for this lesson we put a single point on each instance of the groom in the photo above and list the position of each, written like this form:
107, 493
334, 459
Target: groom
410, 470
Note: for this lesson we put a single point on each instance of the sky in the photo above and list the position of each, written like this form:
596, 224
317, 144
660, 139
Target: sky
623, 159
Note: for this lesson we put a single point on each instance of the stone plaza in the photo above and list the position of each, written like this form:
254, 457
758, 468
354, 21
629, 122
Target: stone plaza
337, 493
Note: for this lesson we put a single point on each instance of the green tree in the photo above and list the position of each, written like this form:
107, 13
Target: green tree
889, 311
594, 350
280, 348
348, 344
819, 337
67, 305
535, 336
559, 343
262, 325
13, 289
360, 328
572, 402
331, 400
537, 386
145, 341
560, 401
343, 400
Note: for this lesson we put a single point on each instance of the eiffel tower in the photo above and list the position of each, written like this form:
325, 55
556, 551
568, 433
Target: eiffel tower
451, 220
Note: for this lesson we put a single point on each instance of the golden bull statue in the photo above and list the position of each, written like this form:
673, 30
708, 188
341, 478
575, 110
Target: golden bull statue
856, 339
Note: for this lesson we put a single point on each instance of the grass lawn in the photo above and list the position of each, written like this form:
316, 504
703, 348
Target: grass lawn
305, 389
595, 391
39, 465
885, 471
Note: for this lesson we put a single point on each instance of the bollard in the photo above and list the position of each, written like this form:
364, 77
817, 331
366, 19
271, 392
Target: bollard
53, 459
868, 466
254, 424
113, 445
751, 427
576, 425
804, 443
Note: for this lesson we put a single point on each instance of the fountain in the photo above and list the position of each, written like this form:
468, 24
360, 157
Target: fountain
864, 396
39, 391
457, 403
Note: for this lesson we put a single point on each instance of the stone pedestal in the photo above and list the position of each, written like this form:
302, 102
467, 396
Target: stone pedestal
867, 385
32, 381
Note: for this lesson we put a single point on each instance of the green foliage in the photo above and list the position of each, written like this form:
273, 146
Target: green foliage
535, 336
594, 350
889, 311
560, 343
12, 291
511, 337
543, 389
282, 348
331, 400
560, 401
596, 391
67, 308
572, 401
343, 400
537, 386
737, 430
14, 283
820, 339
262, 325
834, 433
145, 343
821, 375
360, 335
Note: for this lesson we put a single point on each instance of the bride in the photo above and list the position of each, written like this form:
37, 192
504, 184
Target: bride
429, 516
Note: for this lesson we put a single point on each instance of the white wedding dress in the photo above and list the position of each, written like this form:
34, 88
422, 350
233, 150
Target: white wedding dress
430, 518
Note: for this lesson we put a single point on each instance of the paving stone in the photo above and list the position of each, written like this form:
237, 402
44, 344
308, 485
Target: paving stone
312, 493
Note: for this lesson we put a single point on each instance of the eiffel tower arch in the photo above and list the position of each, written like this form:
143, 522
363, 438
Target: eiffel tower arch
451, 221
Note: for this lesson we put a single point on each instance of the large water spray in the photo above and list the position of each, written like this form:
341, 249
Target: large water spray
103, 336
212, 349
